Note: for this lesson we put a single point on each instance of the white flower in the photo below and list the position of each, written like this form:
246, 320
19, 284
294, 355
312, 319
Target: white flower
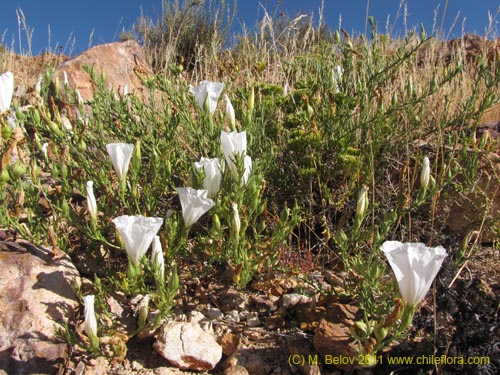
207, 91
6, 90
137, 233
91, 202
194, 204
90, 322
230, 116
425, 174
236, 144
157, 259
415, 267
213, 175
65, 78
120, 154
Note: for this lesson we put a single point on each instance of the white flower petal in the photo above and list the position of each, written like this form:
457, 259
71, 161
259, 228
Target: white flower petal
213, 175
120, 154
137, 233
415, 267
194, 204
6, 90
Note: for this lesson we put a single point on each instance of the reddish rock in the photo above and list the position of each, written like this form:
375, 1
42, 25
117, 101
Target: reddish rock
37, 298
333, 338
122, 64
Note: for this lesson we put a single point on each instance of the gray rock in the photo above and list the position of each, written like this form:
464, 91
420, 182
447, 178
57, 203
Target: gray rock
37, 298
293, 299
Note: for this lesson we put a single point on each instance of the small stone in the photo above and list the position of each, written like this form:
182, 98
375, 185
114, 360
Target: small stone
253, 320
214, 314
230, 343
235, 370
196, 317
136, 366
255, 365
233, 299
293, 299
233, 316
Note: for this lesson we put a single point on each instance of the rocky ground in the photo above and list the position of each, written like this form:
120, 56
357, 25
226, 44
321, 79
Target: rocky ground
267, 328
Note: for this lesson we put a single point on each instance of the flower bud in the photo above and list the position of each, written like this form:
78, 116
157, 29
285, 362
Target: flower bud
137, 154
4, 177
216, 222
230, 116
17, 170
236, 218
251, 100
425, 174
381, 332
90, 323
362, 203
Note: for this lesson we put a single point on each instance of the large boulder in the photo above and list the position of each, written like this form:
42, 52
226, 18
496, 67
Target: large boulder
37, 299
121, 63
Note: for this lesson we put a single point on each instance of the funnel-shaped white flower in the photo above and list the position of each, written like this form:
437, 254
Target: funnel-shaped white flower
207, 91
120, 154
90, 322
137, 233
415, 267
235, 144
213, 175
194, 204
6, 90
91, 202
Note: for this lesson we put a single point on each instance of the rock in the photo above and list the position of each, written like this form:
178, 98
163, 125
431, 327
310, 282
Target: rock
214, 314
235, 370
293, 299
333, 338
253, 319
98, 366
233, 300
188, 347
122, 64
253, 363
302, 349
230, 343
37, 298
232, 316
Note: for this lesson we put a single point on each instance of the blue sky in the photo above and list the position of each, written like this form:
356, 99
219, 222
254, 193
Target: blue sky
76, 25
